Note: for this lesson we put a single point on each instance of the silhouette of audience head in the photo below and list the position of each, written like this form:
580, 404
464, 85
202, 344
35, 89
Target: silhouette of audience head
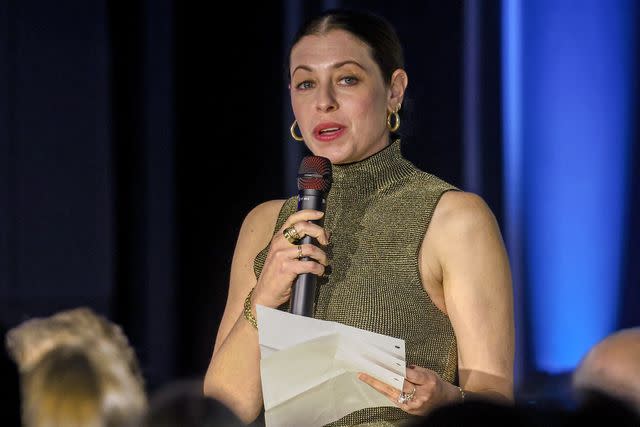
610, 372
76, 369
182, 403
491, 413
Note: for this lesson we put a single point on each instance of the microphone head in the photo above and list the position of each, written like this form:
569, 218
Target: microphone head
314, 174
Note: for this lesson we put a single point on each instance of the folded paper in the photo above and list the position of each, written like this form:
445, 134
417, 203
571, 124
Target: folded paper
309, 368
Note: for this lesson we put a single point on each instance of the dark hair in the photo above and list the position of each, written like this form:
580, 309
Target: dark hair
181, 403
597, 403
375, 31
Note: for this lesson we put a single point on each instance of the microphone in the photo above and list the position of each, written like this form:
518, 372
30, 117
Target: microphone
314, 182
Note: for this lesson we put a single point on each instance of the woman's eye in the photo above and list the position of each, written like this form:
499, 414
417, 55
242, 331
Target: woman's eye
349, 80
305, 85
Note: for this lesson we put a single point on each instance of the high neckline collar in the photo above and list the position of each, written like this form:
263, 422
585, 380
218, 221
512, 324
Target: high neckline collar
373, 173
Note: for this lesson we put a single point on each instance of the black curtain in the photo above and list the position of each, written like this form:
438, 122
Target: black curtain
143, 117
229, 150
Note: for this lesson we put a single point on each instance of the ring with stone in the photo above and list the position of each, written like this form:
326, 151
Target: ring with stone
406, 397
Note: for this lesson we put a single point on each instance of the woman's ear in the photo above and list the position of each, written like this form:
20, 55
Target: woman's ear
399, 82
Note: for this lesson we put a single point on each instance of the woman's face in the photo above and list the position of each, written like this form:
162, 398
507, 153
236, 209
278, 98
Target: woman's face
339, 97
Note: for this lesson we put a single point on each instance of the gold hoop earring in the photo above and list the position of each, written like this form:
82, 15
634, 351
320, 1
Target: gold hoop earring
396, 117
292, 129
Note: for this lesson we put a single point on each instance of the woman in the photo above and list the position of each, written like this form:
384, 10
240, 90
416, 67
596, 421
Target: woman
409, 258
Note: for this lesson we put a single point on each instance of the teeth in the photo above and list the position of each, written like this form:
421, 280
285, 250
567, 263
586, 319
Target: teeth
329, 130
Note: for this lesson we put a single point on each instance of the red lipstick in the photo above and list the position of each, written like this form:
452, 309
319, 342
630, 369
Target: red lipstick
328, 131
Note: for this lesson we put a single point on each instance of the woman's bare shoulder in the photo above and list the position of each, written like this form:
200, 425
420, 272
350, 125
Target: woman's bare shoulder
265, 213
462, 222
259, 223
463, 211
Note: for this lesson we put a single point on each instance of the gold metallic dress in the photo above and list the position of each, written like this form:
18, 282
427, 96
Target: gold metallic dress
378, 211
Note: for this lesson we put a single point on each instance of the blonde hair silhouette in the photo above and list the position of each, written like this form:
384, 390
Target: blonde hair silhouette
76, 369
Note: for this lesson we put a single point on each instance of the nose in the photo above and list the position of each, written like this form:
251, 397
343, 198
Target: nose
326, 100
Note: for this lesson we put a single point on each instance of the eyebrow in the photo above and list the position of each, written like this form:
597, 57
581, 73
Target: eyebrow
334, 66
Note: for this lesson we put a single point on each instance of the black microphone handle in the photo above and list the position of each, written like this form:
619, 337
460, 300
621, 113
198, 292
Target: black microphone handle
303, 292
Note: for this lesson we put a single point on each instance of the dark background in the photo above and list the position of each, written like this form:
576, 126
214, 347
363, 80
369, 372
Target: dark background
135, 136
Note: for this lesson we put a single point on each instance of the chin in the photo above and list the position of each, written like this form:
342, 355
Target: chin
335, 154
335, 158
341, 161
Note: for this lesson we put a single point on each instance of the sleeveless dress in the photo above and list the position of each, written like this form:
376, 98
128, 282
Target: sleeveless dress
378, 211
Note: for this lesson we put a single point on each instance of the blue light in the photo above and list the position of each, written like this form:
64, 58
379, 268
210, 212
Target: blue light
512, 175
574, 130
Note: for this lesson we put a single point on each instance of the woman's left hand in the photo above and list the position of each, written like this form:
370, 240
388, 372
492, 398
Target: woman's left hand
425, 387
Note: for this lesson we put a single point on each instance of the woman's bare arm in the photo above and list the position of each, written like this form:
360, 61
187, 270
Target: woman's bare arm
233, 376
465, 270
478, 294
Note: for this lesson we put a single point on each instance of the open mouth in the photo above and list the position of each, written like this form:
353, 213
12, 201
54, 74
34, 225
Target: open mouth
328, 131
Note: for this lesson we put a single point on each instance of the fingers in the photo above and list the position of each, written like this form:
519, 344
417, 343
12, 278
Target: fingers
289, 262
281, 268
308, 250
384, 388
303, 215
287, 259
300, 222
408, 387
420, 375
393, 394
411, 402
302, 266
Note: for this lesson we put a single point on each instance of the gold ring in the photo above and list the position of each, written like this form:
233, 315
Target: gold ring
291, 234
412, 393
299, 251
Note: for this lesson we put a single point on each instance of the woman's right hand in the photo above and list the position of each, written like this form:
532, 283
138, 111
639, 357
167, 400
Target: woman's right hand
282, 265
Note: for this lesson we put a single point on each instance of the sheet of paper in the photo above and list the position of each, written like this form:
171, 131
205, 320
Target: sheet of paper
309, 368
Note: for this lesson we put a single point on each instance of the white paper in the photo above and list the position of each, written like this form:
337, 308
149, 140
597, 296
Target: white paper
309, 368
